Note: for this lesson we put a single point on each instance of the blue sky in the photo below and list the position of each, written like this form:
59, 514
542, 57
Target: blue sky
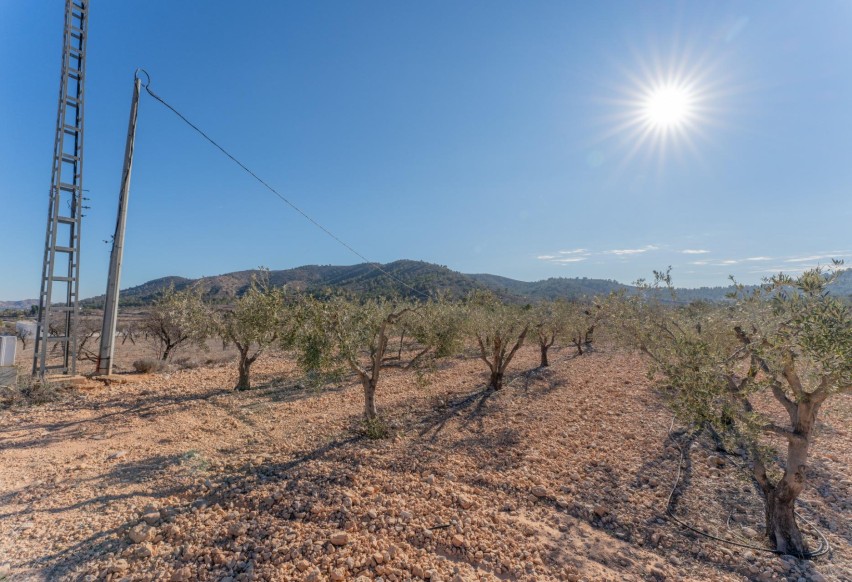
489, 136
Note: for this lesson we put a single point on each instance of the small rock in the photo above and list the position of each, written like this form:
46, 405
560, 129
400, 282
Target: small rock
145, 550
539, 491
140, 533
339, 538
458, 541
303, 565
152, 517
182, 574
119, 566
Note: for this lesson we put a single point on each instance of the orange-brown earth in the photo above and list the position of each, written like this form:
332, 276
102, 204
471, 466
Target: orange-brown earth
562, 475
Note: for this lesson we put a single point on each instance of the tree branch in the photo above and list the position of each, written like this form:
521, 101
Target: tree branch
420, 354
792, 409
515, 348
788, 434
789, 373
483, 354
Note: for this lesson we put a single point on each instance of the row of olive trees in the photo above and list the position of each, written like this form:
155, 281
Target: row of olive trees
788, 338
328, 335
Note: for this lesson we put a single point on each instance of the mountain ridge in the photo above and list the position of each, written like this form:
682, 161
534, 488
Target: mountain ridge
424, 278
405, 278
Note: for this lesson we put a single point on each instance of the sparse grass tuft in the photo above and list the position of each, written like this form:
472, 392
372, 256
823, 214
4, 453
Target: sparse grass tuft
29, 391
376, 429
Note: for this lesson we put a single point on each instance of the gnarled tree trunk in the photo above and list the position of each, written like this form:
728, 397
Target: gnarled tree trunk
370, 411
780, 498
544, 361
244, 380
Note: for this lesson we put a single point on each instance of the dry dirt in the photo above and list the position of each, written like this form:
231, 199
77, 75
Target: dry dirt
563, 475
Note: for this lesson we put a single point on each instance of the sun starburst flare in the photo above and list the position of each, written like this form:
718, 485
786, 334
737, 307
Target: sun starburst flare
668, 107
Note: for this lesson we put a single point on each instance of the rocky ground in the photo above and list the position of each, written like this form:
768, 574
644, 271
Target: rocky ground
563, 475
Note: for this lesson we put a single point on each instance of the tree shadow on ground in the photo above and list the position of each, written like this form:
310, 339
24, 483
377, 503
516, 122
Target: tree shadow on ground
144, 406
112, 542
128, 473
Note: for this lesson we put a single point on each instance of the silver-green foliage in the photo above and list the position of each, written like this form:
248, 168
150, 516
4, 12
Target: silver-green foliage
354, 334
498, 329
258, 320
788, 338
178, 318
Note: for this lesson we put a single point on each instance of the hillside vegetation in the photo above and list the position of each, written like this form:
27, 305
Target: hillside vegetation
408, 279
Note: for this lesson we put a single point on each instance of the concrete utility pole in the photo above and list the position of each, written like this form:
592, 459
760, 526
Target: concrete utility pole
104, 366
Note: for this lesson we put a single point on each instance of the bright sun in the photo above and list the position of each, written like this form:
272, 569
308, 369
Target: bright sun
668, 107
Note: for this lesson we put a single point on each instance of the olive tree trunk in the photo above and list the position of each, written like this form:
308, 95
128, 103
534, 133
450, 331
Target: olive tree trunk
244, 380
500, 358
545, 342
544, 361
370, 411
780, 498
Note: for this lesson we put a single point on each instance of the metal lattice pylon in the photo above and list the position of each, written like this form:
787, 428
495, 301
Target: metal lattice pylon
56, 342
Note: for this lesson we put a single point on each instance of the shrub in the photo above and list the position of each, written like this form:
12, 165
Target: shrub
29, 391
149, 366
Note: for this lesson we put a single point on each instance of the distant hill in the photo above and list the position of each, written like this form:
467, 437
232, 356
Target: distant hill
18, 305
362, 279
427, 278
552, 288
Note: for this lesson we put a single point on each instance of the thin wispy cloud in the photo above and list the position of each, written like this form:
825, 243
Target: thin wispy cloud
694, 252
791, 264
811, 258
784, 269
622, 252
578, 255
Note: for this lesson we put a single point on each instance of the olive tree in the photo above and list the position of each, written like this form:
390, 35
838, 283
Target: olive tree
23, 333
437, 328
583, 320
499, 331
257, 321
353, 333
178, 318
788, 338
549, 321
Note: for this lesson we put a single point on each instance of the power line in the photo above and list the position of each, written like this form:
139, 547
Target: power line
266, 185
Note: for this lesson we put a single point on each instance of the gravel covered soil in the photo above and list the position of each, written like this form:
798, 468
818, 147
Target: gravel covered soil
563, 475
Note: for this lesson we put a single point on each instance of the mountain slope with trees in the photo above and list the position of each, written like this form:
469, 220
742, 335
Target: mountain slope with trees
408, 279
